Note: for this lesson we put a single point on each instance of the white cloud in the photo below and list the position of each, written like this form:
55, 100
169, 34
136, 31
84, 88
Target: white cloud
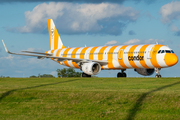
113, 42
19, 66
132, 41
170, 11
72, 18
152, 41
136, 41
9, 57
35, 50
149, 41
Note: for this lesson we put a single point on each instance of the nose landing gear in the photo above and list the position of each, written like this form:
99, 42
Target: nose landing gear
157, 72
121, 74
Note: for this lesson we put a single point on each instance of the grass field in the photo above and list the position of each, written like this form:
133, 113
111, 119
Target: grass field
90, 98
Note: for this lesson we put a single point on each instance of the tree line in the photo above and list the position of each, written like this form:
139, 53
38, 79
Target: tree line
65, 72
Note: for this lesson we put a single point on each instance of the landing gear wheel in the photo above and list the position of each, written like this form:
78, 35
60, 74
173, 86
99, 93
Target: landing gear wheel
85, 75
157, 73
124, 74
121, 74
158, 76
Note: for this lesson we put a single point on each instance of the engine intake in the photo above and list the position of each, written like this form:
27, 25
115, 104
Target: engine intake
145, 72
91, 68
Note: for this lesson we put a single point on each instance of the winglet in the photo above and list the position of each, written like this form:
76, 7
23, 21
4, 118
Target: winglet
5, 47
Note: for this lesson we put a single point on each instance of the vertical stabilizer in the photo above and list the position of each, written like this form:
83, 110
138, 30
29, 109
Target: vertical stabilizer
54, 38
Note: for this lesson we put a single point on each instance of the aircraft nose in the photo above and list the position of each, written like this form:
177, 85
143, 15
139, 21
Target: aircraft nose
170, 59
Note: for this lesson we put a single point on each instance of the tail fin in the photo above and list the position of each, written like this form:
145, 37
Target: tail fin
54, 38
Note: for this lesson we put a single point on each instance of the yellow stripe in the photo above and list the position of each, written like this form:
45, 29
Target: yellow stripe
65, 55
63, 46
83, 52
73, 56
75, 65
121, 62
74, 52
141, 53
110, 57
52, 53
57, 54
100, 54
91, 54
66, 63
65, 52
101, 51
56, 36
130, 53
153, 56
58, 51
49, 28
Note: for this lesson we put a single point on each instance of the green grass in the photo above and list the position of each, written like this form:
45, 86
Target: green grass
90, 98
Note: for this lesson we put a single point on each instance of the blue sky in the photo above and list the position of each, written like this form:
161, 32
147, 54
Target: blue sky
23, 26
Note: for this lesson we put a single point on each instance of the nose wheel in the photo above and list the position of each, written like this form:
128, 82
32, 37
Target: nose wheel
157, 73
121, 74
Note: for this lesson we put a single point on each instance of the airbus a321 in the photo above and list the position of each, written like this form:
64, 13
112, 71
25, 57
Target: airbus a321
144, 59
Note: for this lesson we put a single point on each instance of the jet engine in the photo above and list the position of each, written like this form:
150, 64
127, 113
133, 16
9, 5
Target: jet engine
145, 72
91, 68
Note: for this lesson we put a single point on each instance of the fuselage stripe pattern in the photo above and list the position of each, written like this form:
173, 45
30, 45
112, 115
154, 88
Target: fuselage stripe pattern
118, 57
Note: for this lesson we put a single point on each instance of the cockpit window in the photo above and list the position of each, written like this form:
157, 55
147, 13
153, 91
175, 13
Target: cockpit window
168, 51
159, 51
165, 51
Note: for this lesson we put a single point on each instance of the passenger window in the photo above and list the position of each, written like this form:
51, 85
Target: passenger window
159, 51
162, 51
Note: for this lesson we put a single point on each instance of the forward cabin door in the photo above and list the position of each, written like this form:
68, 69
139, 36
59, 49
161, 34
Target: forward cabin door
150, 52
120, 54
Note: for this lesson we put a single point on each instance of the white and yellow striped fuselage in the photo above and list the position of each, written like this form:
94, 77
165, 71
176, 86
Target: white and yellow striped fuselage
120, 57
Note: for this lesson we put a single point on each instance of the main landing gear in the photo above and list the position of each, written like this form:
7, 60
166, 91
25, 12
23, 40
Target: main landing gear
121, 74
85, 75
157, 72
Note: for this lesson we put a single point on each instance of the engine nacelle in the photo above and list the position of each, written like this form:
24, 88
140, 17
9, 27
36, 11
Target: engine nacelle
145, 72
91, 68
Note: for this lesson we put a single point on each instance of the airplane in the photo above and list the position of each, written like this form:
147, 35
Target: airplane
144, 59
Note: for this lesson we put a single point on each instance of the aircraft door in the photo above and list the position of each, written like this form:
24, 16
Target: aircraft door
150, 52
120, 54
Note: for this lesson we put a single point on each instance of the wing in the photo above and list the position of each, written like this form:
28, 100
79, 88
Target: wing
40, 55
37, 53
